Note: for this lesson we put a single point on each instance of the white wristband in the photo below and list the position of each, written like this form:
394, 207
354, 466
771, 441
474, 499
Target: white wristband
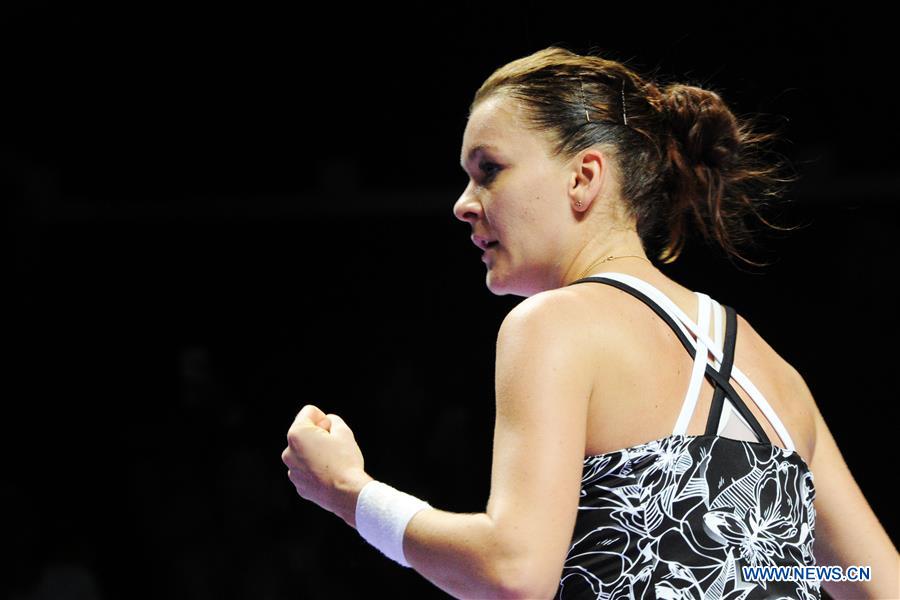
382, 514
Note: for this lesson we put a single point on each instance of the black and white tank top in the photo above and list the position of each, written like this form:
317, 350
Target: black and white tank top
678, 517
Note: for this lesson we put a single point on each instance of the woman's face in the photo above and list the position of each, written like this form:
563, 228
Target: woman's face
518, 195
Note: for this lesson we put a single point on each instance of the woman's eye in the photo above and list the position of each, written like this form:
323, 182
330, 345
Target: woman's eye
489, 170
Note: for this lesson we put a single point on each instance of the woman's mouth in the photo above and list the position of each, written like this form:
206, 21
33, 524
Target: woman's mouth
487, 250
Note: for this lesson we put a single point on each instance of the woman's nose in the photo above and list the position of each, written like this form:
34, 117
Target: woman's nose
466, 207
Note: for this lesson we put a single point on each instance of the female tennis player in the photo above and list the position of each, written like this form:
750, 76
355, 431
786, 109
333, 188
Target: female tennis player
648, 442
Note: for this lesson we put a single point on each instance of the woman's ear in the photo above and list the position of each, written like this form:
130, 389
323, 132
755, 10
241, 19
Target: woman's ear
586, 179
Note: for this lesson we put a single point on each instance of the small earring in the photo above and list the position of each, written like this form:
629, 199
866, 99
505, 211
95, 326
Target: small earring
578, 203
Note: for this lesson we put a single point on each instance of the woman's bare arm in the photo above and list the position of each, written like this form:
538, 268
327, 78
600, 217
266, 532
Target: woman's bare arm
847, 530
517, 547
457, 552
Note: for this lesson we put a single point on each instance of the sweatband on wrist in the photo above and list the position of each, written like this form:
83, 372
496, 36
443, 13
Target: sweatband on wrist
382, 514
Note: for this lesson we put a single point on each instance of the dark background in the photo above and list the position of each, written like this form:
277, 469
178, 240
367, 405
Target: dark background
217, 215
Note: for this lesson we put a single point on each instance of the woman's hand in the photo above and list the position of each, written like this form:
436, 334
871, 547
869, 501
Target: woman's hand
324, 462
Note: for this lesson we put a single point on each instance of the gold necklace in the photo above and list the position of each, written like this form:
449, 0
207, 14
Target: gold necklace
593, 265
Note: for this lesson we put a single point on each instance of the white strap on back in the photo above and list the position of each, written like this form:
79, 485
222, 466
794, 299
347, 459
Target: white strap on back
718, 330
682, 320
697, 373
731, 423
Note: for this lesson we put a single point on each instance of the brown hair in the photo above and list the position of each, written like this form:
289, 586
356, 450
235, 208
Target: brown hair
682, 155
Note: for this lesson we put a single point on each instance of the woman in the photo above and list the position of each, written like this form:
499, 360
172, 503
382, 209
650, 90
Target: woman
623, 465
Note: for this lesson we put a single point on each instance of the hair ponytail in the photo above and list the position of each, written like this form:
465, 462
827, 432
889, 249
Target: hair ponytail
716, 171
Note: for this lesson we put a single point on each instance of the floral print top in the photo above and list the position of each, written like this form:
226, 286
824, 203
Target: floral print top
679, 516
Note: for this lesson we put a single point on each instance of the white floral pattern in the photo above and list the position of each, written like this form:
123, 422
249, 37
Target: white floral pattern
679, 516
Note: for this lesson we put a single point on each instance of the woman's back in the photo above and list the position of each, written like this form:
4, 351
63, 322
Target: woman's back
674, 499
643, 372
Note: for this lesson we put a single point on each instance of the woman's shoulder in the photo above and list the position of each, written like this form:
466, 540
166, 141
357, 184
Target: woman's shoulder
587, 310
600, 307
588, 320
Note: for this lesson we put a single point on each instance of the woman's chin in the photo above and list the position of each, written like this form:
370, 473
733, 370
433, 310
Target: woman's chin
493, 282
